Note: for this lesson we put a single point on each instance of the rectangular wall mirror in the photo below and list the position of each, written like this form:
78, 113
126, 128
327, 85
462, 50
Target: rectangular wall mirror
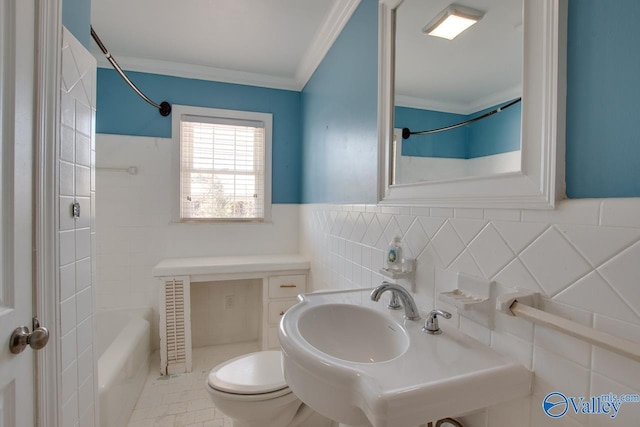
508, 66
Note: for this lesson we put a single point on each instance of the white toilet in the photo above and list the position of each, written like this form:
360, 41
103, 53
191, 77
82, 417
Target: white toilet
251, 390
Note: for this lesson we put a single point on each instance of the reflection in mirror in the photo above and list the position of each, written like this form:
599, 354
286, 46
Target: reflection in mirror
448, 422
539, 182
440, 82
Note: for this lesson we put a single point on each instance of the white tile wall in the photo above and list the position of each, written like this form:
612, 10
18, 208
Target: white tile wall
136, 228
583, 257
77, 272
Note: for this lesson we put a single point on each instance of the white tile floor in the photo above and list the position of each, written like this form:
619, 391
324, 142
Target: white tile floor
181, 400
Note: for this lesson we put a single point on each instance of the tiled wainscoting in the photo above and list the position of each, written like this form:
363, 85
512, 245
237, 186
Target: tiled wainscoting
77, 235
583, 257
137, 224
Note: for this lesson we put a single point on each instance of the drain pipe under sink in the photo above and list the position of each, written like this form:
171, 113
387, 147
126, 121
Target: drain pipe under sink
303, 414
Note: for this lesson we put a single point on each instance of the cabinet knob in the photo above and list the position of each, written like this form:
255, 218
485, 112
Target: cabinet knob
281, 312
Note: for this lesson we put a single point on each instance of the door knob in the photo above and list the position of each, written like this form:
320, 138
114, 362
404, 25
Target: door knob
21, 337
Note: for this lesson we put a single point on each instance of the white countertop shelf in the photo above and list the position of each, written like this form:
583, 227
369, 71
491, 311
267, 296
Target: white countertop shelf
229, 265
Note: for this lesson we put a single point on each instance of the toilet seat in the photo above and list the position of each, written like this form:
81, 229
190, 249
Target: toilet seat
251, 390
254, 374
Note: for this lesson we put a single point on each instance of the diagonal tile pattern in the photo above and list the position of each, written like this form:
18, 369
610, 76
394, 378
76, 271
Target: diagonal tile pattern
392, 231
467, 265
596, 295
431, 225
374, 232
447, 244
554, 262
359, 229
519, 235
540, 255
516, 275
586, 272
597, 244
622, 273
404, 222
493, 259
416, 239
347, 226
467, 229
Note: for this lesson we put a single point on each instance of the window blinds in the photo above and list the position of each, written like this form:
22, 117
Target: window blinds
222, 168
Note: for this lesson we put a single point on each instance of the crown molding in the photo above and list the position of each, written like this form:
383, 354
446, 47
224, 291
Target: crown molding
332, 26
494, 99
201, 72
340, 13
459, 108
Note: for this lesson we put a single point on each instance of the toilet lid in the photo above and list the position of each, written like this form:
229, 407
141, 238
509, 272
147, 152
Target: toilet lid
254, 373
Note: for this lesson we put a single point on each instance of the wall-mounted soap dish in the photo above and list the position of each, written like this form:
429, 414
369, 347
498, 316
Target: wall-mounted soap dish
472, 298
461, 299
472, 292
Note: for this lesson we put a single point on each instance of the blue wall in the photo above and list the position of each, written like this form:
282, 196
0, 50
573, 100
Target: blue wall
339, 116
121, 111
76, 16
499, 133
338, 158
451, 144
603, 98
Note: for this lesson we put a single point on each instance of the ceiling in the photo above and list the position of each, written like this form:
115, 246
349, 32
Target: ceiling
271, 43
279, 44
476, 70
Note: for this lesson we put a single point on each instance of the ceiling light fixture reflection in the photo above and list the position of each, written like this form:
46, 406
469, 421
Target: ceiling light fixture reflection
452, 21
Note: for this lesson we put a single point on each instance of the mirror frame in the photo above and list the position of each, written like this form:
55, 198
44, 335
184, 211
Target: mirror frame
541, 180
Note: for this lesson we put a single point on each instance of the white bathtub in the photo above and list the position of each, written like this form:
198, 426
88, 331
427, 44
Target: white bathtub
123, 342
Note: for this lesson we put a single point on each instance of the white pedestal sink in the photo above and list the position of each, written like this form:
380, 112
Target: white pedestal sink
361, 364
358, 334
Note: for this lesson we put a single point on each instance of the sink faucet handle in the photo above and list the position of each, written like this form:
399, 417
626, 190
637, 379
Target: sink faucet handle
431, 324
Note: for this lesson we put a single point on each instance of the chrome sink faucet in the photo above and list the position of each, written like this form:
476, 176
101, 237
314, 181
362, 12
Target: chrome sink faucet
410, 308
431, 324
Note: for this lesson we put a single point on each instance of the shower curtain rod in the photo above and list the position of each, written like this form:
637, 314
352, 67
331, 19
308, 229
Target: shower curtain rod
164, 107
406, 132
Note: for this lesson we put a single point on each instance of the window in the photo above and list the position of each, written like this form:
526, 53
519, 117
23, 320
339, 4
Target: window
225, 164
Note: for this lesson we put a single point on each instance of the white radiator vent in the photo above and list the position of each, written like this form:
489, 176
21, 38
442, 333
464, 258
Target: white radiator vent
175, 326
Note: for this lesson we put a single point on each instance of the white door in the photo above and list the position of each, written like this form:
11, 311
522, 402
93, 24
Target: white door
17, 38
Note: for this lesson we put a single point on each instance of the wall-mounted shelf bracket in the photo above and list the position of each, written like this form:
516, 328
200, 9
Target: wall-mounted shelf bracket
523, 296
398, 275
